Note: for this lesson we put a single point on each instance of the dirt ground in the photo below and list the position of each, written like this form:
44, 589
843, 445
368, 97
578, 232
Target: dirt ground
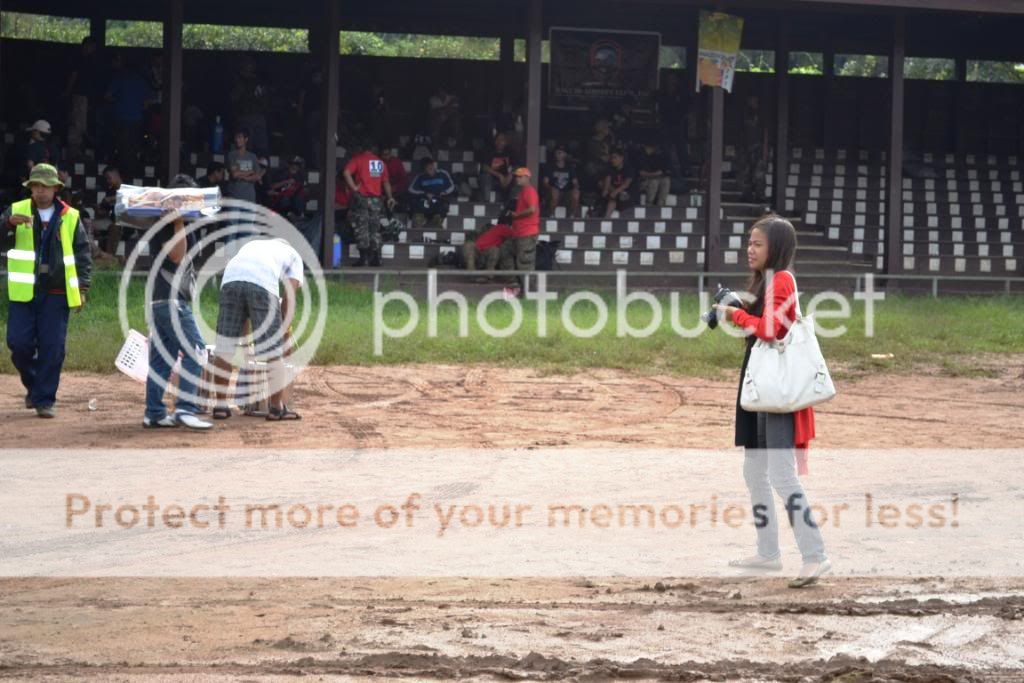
594, 628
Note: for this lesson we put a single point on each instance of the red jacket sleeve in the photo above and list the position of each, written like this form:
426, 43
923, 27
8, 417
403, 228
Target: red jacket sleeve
779, 310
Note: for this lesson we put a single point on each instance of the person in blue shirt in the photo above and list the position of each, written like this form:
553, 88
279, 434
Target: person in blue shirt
430, 191
128, 95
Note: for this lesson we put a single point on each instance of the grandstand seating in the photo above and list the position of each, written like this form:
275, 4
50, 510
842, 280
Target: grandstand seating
962, 215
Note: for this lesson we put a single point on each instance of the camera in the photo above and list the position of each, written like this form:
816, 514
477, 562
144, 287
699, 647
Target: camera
725, 297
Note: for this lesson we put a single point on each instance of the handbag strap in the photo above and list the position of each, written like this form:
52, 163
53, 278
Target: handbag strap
796, 295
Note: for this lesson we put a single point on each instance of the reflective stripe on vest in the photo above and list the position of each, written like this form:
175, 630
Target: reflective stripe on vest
21, 260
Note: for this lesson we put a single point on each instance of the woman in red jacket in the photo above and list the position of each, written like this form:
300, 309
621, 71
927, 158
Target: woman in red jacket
774, 442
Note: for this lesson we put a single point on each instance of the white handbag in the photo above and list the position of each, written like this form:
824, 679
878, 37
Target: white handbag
789, 374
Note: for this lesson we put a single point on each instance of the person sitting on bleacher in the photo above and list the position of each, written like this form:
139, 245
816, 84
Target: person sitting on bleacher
106, 217
483, 251
561, 184
216, 175
287, 193
615, 185
430, 191
396, 171
654, 171
496, 170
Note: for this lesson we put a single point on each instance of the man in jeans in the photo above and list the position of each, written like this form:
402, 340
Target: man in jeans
170, 287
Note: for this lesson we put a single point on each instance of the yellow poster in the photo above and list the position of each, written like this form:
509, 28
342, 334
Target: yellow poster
719, 45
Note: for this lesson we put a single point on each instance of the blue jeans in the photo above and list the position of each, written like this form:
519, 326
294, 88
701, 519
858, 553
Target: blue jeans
36, 332
774, 466
190, 344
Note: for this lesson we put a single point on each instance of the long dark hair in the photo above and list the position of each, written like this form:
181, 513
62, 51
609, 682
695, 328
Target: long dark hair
781, 236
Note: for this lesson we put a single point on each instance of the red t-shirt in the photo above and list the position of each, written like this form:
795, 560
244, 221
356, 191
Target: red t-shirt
494, 237
368, 172
529, 226
779, 314
397, 175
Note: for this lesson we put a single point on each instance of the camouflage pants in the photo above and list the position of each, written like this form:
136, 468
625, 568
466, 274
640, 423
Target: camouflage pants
364, 215
476, 259
519, 253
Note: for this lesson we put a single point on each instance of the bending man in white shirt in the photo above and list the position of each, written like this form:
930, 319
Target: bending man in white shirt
251, 293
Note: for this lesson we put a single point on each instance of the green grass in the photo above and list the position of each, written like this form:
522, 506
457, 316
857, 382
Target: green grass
952, 336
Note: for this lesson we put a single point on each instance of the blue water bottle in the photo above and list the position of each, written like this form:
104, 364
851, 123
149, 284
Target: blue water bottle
217, 144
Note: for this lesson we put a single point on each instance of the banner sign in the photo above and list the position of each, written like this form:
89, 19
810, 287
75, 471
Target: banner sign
590, 67
719, 45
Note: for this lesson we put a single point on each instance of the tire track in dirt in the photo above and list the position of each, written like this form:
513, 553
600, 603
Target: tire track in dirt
535, 667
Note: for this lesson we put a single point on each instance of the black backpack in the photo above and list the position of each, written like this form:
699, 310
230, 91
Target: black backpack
546, 255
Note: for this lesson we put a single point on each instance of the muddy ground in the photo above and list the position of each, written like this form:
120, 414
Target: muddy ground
593, 628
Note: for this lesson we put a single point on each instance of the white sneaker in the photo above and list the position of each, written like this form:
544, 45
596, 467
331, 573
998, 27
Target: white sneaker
165, 421
191, 421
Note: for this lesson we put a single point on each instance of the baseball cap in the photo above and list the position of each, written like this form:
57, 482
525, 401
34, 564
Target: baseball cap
44, 174
523, 171
42, 126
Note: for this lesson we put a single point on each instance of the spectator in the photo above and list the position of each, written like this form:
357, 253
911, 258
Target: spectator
106, 213
598, 150
243, 169
83, 87
288, 194
496, 170
262, 187
654, 175
519, 252
193, 125
431, 190
561, 183
616, 184
380, 120
216, 175
128, 94
367, 177
673, 114
752, 158
421, 146
484, 251
396, 171
40, 149
172, 325
445, 115
251, 293
250, 102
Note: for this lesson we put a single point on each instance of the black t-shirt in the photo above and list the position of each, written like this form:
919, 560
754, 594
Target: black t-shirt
561, 178
163, 280
619, 175
652, 163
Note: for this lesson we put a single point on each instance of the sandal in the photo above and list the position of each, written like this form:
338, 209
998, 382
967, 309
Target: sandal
221, 413
282, 413
757, 562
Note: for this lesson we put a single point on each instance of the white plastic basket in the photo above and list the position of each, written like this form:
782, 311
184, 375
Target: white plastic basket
133, 358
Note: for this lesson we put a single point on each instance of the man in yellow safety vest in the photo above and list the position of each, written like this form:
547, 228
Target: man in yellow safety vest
49, 262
